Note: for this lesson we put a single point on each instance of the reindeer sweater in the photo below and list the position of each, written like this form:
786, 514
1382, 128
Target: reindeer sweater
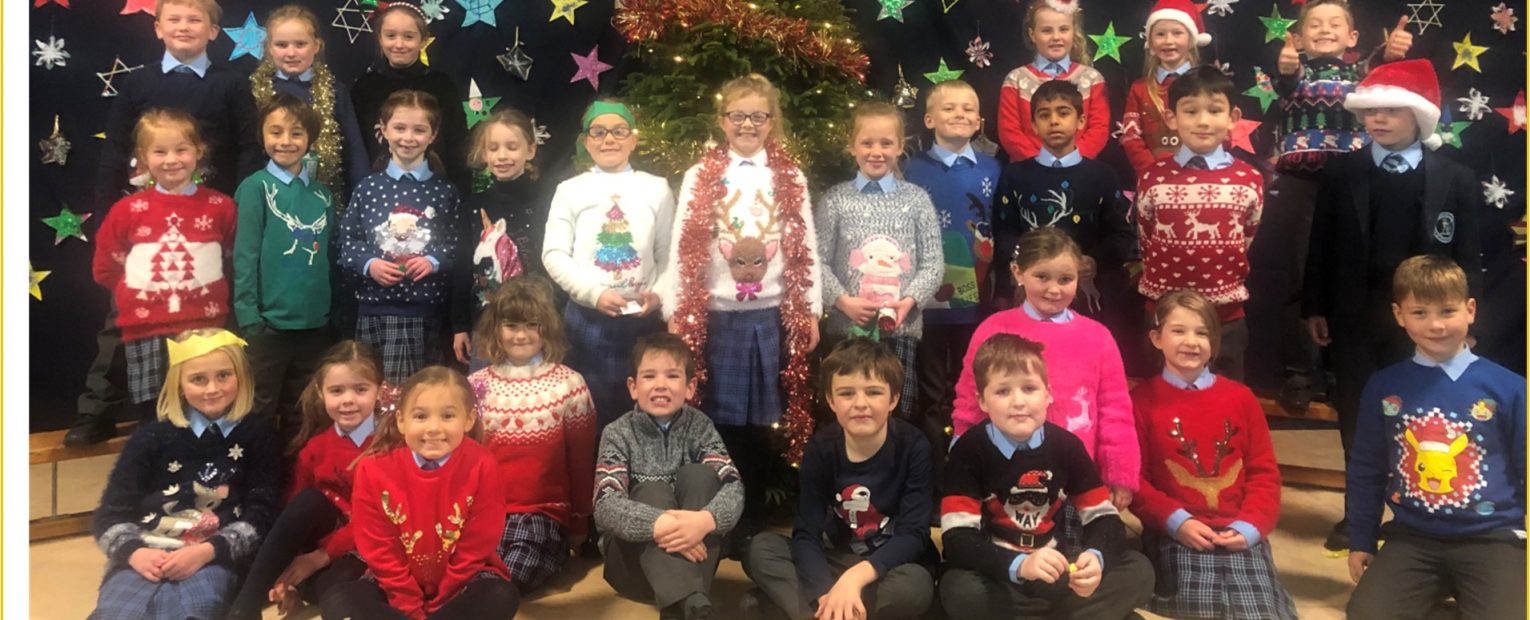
1083, 200
1195, 227
281, 251
608, 231
393, 218
963, 196
882, 247
1088, 382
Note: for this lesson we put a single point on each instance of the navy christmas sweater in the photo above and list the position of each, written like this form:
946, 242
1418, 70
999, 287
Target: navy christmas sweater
395, 219
963, 197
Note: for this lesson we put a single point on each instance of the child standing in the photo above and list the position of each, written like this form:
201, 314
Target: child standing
865, 487
882, 242
192, 493
1174, 32
1055, 30
606, 241
1210, 487
539, 424
1440, 441
666, 490
1187, 215
426, 513
1005, 484
400, 232
161, 251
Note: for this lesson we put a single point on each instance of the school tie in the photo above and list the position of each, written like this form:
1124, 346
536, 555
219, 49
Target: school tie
1057, 163
430, 466
872, 188
1054, 69
1394, 164
746, 162
183, 69
407, 176
1197, 163
214, 431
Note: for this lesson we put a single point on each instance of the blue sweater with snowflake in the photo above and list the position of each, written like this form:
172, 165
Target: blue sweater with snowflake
1443, 445
961, 185
394, 216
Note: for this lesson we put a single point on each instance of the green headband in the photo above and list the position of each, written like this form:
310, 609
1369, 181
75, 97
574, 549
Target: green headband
600, 108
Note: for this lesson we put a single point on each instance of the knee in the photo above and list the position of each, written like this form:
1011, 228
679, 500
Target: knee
696, 482
1136, 575
1372, 600
963, 594
342, 600
498, 595
656, 494
913, 589
766, 549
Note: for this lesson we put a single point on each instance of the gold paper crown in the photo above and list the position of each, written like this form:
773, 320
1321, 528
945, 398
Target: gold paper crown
198, 345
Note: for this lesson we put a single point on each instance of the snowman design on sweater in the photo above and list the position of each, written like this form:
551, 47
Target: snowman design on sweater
401, 237
1023, 519
868, 527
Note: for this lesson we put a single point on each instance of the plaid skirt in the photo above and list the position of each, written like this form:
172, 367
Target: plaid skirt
904, 347
406, 343
534, 547
600, 350
1221, 584
743, 367
147, 361
126, 595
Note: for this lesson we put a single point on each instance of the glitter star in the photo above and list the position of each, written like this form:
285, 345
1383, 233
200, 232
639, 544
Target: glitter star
67, 224
1450, 133
135, 6
1418, 17
55, 147
1474, 104
51, 54
249, 39
1467, 54
1515, 113
1275, 26
1263, 90
893, 9
1108, 44
1503, 19
590, 67
1494, 192
978, 53
943, 73
343, 20
564, 9
475, 11
118, 68
37, 278
434, 10
236, 452
515, 60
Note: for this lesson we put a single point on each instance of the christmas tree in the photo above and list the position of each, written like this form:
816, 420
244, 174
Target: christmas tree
615, 238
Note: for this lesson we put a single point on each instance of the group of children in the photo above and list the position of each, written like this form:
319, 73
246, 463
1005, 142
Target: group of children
951, 291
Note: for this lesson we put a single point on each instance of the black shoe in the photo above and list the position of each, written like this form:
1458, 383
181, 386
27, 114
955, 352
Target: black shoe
590, 548
89, 430
1338, 539
1296, 394
698, 607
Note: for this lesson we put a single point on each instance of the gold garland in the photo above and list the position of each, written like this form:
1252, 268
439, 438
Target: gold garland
327, 147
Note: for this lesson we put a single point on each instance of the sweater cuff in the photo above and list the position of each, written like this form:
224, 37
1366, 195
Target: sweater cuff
221, 552
1176, 519
1249, 532
366, 268
435, 265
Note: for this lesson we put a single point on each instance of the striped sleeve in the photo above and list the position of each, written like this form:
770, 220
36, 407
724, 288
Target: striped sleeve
961, 516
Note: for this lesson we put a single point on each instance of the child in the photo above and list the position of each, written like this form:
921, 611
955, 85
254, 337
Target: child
1174, 32
1065, 189
540, 426
293, 64
513, 210
1004, 485
312, 537
401, 34
281, 261
745, 288
1210, 491
1187, 215
1440, 441
192, 493
882, 242
1085, 364
874, 473
427, 512
1055, 29
1354, 252
606, 241
162, 250
666, 490
400, 232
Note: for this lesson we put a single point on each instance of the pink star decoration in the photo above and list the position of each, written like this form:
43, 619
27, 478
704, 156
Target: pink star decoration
1515, 114
590, 67
62, 3
1503, 18
134, 6
1241, 132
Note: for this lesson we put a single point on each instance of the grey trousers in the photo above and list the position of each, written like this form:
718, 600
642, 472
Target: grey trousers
1127, 585
641, 570
1413, 574
904, 592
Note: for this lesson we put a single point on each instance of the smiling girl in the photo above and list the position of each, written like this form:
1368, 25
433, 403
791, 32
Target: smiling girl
1175, 31
1054, 28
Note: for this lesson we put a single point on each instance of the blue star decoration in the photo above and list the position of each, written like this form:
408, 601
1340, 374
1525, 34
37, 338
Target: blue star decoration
474, 11
249, 39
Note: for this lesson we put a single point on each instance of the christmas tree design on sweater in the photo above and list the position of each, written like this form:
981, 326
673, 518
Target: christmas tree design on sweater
616, 253
177, 266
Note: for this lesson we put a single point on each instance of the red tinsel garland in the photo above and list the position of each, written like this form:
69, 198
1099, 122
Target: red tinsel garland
797, 319
646, 20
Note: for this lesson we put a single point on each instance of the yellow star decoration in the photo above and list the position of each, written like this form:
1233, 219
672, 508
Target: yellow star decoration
37, 278
425, 56
1467, 54
565, 9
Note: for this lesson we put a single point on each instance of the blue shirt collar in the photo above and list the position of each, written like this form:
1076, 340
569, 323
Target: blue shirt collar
1042, 61
1065, 316
1047, 159
359, 434
199, 423
421, 461
421, 172
1008, 446
1453, 367
888, 183
189, 189
1205, 380
735, 160
1413, 153
949, 158
285, 177
305, 76
1160, 74
199, 64
597, 170
1215, 160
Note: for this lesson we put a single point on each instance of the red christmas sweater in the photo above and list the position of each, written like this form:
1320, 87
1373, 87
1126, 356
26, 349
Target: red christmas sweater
1195, 227
425, 534
163, 258
324, 464
1206, 451
1018, 135
1145, 134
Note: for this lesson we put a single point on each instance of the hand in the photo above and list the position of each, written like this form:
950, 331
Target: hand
696, 554
287, 599
1232, 540
1088, 295
1317, 327
842, 602
418, 267
1084, 580
384, 272
463, 347
858, 309
903, 306
301, 568
1290, 57
692, 526
610, 303
182, 563
651, 303
1046, 564
1359, 561
665, 525
148, 563
1195, 535
1120, 497
1399, 41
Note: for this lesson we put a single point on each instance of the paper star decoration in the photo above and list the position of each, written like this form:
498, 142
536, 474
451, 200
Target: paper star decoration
424, 55
249, 39
1467, 54
67, 224
904, 94
1275, 26
1474, 104
477, 106
343, 20
1263, 90
475, 11
1224, 67
1503, 19
52, 54
1494, 192
515, 59
1108, 44
38, 276
55, 148
62, 3
236, 452
590, 67
564, 9
434, 10
893, 9
118, 68
1241, 132
134, 6
1450, 133
1418, 17
978, 54
1515, 113
540, 132
1220, 8
943, 74
945, 5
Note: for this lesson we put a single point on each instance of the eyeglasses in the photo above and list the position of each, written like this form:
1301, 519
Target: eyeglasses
620, 132
738, 118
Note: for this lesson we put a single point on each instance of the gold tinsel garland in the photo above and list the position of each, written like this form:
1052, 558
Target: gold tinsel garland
327, 146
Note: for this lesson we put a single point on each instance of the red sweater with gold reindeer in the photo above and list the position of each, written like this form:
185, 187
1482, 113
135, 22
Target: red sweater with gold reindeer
425, 534
1205, 451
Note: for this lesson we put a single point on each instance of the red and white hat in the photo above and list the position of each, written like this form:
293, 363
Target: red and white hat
1409, 84
1184, 12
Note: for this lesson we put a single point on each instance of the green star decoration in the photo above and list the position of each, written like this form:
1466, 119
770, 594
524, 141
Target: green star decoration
893, 9
1108, 44
945, 73
1450, 133
1263, 90
1275, 26
67, 224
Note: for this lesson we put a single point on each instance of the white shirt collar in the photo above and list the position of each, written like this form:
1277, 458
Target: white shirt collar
1063, 317
359, 434
421, 172
1160, 74
597, 170
305, 76
1047, 159
735, 160
199, 423
198, 65
949, 158
1042, 61
1205, 380
1008, 446
1453, 367
285, 177
888, 183
186, 190
1215, 160
1413, 153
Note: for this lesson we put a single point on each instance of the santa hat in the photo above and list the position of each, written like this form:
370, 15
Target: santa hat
1033, 480
1066, 7
1183, 12
1407, 84
428, 213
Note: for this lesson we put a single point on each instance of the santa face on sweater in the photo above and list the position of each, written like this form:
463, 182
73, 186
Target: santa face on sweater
403, 236
1029, 502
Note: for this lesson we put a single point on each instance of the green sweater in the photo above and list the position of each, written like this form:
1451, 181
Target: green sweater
281, 252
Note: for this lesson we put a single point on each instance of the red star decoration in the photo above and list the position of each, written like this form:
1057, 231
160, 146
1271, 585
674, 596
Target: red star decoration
1298, 2
62, 3
134, 6
1515, 114
1241, 132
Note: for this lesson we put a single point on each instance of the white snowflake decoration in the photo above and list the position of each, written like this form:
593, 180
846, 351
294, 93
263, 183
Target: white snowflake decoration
978, 53
204, 222
1474, 104
1495, 193
541, 132
1225, 68
174, 466
139, 206
945, 219
211, 310
987, 187
52, 54
434, 10
236, 452
1220, 8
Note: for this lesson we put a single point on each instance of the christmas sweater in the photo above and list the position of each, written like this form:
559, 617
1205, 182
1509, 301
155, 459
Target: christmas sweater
1145, 133
395, 220
1195, 227
1316, 125
635, 449
1088, 384
281, 252
1447, 456
997, 508
486, 258
324, 464
1016, 133
171, 488
881, 247
963, 197
163, 257
608, 231
380, 81
1207, 452
1083, 200
878, 508
748, 235
425, 534
539, 423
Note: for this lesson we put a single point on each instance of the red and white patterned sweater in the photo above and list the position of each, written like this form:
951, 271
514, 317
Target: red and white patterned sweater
1016, 133
1196, 227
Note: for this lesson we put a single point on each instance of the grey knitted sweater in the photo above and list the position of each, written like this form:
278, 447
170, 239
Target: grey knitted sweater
634, 449
879, 246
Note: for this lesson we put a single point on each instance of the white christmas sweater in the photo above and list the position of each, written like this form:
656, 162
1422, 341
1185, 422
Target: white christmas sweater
608, 231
